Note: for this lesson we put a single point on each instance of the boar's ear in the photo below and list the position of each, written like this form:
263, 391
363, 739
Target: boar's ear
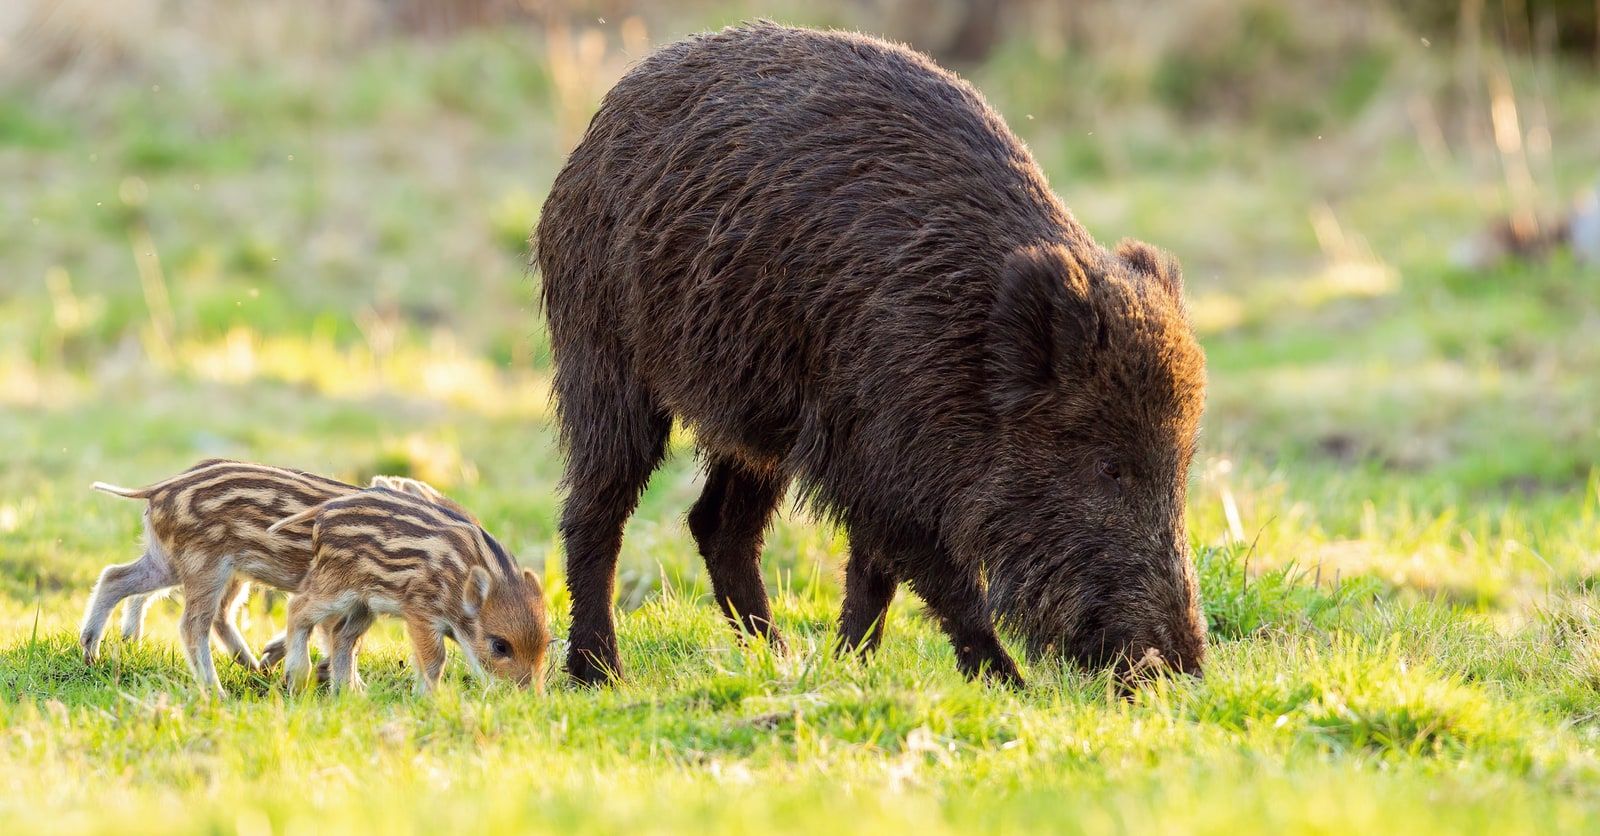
1155, 263
476, 591
1041, 314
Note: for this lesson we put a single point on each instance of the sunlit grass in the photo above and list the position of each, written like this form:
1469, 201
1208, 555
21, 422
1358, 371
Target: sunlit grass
1396, 511
437, 370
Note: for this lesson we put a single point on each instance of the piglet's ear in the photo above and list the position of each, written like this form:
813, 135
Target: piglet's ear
1042, 314
1154, 263
531, 578
476, 591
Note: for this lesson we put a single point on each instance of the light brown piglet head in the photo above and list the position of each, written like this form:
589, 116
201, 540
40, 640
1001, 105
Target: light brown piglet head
509, 629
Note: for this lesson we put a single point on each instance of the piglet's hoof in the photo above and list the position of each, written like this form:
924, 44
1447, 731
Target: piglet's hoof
271, 654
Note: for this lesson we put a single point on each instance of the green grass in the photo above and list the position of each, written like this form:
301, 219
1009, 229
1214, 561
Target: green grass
1396, 513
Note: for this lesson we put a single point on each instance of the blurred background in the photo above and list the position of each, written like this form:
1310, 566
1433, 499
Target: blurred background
296, 231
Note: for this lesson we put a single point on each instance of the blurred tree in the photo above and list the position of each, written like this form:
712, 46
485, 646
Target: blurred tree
1573, 26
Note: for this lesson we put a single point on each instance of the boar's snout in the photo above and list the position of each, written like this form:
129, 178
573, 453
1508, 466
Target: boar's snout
1176, 649
1136, 642
1153, 662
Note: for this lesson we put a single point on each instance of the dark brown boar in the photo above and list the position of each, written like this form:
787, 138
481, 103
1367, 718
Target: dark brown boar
836, 264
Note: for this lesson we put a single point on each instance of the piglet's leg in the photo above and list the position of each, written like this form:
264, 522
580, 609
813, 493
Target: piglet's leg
133, 611
325, 638
147, 574
427, 645
202, 606
226, 625
346, 635
273, 651
303, 618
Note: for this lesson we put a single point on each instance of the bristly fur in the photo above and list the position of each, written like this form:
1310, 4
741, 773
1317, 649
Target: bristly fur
837, 265
384, 551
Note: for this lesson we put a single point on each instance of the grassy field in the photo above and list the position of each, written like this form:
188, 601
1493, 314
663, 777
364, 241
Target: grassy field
314, 255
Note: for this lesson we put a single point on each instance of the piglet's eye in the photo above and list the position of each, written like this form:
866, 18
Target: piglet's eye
1110, 470
500, 646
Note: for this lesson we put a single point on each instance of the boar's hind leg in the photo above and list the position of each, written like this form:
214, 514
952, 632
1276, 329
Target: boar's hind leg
727, 523
614, 435
869, 587
308, 609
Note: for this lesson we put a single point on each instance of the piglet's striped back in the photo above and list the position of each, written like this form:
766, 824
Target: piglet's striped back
401, 532
215, 483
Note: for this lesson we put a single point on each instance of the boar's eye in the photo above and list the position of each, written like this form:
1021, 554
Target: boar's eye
1110, 470
501, 647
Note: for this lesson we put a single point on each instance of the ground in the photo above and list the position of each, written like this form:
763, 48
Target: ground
1396, 512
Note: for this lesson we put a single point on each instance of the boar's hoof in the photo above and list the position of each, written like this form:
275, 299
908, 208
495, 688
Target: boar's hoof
592, 668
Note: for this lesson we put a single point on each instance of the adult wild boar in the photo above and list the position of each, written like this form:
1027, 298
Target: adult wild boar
836, 264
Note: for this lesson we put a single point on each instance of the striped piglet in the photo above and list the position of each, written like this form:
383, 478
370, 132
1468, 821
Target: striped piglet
384, 552
206, 532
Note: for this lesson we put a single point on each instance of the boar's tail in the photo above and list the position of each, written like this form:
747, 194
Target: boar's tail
294, 519
130, 493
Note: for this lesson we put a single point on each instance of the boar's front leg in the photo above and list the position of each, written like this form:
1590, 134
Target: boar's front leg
728, 522
869, 587
958, 601
955, 596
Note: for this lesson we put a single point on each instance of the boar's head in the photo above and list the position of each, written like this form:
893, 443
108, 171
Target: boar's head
1098, 385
